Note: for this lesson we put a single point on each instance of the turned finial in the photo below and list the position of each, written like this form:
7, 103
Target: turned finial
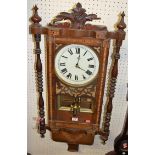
35, 18
78, 5
121, 25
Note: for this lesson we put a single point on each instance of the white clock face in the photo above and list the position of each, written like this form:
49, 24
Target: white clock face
76, 65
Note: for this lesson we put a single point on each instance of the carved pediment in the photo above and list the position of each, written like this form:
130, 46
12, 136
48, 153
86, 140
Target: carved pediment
77, 18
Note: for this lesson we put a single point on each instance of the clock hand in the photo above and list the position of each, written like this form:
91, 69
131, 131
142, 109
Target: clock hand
80, 68
78, 60
77, 64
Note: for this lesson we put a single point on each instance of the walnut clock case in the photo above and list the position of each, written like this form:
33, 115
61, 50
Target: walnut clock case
77, 56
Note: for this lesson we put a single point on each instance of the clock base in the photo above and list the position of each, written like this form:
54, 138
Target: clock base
73, 147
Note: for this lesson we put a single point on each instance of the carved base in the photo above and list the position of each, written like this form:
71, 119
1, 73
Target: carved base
73, 147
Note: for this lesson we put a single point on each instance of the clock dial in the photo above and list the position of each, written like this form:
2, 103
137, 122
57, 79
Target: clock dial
76, 65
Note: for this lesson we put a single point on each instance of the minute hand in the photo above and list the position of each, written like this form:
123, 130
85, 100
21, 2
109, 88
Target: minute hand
80, 68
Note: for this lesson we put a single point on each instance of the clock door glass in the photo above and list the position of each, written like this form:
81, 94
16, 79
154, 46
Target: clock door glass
76, 65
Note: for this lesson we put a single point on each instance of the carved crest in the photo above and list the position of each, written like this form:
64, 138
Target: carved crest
77, 17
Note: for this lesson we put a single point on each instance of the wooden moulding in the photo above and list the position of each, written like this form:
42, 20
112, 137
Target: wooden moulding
63, 124
102, 75
74, 33
82, 41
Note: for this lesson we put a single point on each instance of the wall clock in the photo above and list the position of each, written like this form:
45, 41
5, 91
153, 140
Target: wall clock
77, 56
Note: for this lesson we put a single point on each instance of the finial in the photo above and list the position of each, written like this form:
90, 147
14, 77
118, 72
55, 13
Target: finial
36, 18
78, 5
35, 8
122, 24
123, 14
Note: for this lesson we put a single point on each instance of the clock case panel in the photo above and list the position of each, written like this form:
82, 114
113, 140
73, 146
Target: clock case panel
60, 120
66, 93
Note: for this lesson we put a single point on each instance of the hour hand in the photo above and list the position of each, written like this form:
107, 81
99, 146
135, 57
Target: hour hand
78, 60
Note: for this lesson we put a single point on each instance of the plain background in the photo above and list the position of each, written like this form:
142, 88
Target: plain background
13, 82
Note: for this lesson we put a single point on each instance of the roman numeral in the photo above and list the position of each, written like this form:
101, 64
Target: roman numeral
69, 75
90, 59
85, 53
76, 77
70, 51
88, 72
91, 66
62, 64
77, 50
64, 70
84, 77
64, 56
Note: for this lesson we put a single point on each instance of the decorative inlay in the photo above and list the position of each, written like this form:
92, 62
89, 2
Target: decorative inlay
57, 46
76, 91
98, 49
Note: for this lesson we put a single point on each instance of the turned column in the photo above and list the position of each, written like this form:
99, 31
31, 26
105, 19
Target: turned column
120, 36
38, 68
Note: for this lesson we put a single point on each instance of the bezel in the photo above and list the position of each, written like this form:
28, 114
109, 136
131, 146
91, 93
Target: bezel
73, 84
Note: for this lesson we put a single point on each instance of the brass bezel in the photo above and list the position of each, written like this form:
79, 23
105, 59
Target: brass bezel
76, 85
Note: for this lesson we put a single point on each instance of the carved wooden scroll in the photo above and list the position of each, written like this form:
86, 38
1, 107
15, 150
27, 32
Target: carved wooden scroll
38, 67
77, 17
120, 36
